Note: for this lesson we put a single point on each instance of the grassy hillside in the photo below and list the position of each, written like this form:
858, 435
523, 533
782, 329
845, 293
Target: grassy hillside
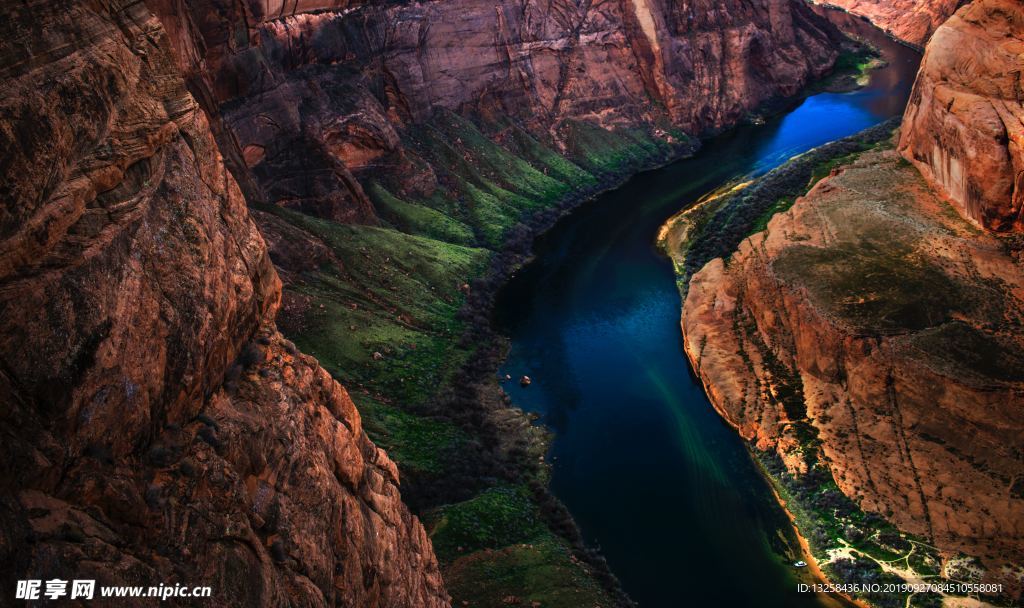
399, 314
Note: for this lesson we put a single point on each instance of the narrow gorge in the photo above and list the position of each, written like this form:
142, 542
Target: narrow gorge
268, 277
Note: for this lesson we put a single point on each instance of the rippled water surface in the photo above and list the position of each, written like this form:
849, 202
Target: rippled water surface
650, 472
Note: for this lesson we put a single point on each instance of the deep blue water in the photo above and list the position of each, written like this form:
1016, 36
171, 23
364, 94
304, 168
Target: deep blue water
649, 471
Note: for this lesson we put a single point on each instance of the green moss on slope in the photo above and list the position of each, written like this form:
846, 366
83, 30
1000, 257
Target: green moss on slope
496, 518
418, 218
383, 317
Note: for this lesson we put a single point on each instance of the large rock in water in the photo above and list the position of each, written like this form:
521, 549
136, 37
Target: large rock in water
912, 21
132, 283
896, 330
312, 101
964, 126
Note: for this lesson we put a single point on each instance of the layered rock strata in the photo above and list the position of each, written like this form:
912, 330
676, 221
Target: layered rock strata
964, 125
156, 428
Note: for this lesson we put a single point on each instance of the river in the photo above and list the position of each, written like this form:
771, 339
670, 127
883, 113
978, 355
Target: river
649, 471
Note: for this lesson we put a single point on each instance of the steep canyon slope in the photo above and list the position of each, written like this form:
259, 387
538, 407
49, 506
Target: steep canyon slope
873, 338
156, 428
316, 102
392, 148
912, 21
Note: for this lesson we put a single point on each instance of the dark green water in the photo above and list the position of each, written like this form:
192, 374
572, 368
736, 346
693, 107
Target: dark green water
652, 475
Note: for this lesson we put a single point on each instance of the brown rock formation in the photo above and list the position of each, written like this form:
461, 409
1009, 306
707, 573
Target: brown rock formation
897, 331
131, 279
912, 21
312, 101
964, 126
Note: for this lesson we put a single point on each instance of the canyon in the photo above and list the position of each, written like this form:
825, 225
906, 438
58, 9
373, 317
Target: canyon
868, 341
180, 175
248, 252
320, 106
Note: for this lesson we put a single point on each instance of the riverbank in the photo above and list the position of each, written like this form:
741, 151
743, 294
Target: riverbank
419, 355
717, 223
693, 237
429, 396
582, 321
478, 378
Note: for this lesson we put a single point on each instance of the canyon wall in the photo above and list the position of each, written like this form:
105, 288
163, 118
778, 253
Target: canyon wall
964, 126
867, 320
912, 21
871, 336
315, 102
156, 428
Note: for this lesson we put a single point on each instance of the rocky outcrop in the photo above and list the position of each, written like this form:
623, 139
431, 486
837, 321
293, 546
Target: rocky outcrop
868, 332
312, 102
155, 427
964, 126
912, 21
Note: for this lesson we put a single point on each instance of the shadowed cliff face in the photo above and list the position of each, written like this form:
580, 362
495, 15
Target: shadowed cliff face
146, 437
964, 126
313, 102
912, 21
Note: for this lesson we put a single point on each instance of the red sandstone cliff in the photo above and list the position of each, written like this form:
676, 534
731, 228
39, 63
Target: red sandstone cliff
871, 319
912, 21
898, 328
156, 428
312, 101
964, 126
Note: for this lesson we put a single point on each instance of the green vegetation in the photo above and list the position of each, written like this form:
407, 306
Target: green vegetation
419, 219
820, 169
858, 60
852, 68
875, 285
604, 151
496, 518
420, 445
852, 546
542, 573
393, 295
398, 313
716, 227
973, 351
